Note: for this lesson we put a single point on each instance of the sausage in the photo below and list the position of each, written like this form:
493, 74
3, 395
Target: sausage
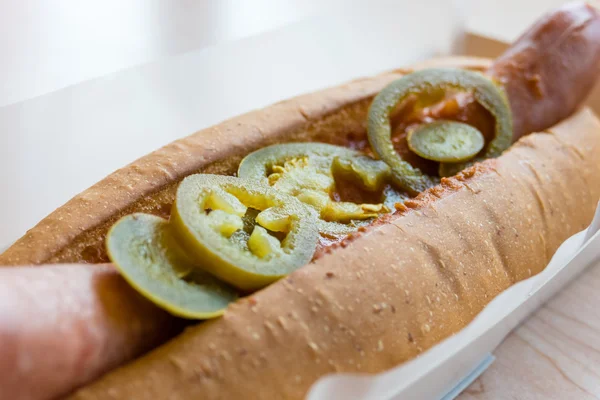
64, 325
547, 72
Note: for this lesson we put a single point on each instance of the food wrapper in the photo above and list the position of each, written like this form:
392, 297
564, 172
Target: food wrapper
446, 367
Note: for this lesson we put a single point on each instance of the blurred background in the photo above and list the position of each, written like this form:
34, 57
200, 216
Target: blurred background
46, 45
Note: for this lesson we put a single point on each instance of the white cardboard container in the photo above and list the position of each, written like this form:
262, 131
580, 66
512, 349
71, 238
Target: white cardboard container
65, 141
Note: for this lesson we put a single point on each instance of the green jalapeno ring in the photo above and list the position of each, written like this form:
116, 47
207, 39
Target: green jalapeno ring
278, 165
142, 249
208, 245
432, 83
446, 141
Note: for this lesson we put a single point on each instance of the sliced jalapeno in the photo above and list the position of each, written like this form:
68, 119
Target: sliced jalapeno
308, 172
241, 231
429, 86
142, 249
446, 141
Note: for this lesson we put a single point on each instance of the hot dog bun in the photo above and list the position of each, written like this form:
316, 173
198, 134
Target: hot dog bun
392, 292
75, 232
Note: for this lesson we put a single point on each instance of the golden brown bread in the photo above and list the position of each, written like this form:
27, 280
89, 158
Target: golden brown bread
75, 232
436, 266
394, 291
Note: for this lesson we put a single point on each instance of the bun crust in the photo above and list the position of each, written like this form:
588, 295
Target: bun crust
381, 297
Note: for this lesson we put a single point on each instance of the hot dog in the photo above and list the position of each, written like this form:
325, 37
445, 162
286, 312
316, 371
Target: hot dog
281, 339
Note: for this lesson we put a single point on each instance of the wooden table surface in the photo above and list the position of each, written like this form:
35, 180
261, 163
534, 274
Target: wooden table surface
555, 354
